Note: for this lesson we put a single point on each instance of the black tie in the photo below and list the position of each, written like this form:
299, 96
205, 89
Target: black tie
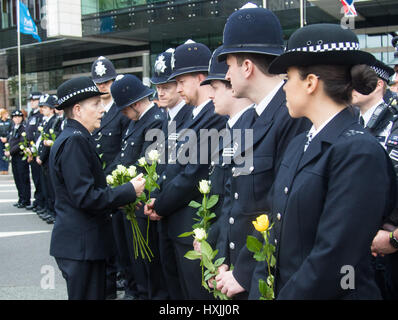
361, 121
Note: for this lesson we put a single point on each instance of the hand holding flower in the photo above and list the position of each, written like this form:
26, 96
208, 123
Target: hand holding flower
139, 184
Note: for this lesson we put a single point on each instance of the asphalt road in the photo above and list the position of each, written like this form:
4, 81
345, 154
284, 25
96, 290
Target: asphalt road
27, 271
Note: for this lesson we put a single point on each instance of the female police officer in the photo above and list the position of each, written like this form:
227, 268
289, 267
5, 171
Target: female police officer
82, 237
335, 182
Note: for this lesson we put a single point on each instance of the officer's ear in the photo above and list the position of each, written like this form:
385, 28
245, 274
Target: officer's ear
76, 110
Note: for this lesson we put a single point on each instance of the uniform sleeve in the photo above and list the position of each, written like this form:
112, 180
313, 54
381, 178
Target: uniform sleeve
77, 167
358, 195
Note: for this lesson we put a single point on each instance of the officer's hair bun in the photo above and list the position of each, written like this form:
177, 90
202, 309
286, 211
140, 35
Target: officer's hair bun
364, 79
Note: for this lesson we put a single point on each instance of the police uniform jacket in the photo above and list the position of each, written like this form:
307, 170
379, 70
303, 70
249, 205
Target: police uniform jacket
171, 134
179, 184
108, 136
328, 203
220, 177
83, 229
14, 138
44, 151
133, 143
272, 132
5, 127
33, 122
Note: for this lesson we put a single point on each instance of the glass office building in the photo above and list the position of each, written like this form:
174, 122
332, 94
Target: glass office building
132, 32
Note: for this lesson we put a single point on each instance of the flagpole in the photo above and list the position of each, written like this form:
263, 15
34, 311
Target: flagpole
19, 58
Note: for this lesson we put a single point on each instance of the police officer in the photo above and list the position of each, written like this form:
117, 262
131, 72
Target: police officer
178, 112
252, 40
50, 126
82, 237
132, 98
108, 139
32, 123
178, 184
20, 168
335, 182
239, 111
5, 127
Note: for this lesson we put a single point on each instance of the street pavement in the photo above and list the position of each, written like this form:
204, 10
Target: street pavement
27, 271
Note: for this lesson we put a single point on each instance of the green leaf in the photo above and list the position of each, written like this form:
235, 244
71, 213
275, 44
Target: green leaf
262, 287
192, 255
207, 263
212, 201
272, 262
186, 234
194, 204
219, 262
206, 249
253, 244
260, 256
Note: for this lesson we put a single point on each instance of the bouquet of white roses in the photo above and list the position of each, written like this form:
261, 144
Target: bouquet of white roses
48, 138
120, 176
6, 148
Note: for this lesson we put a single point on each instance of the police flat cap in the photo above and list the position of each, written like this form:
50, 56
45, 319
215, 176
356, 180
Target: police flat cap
17, 113
383, 71
319, 44
34, 95
75, 90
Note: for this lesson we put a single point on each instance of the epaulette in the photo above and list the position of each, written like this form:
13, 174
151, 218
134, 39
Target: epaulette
351, 133
77, 132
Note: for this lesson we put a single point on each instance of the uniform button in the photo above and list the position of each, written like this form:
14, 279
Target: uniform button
110, 133
122, 154
231, 220
232, 245
286, 190
276, 241
212, 163
251, 169
132, 143
98, 146
279, 216
236, 195
233, 170
223, 164
164, 177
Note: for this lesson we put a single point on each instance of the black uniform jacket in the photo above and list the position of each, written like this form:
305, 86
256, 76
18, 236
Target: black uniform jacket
83, 229
179, 184
328, 203
14, 138
250, 188
108, 136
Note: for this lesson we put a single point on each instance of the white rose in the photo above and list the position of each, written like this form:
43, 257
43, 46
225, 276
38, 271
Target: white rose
23, 134
51, 131
200, 234
109, 179
121, 169
153, 155
204, 186
21, 147
7, 145
132, 171
40, 128
142, 161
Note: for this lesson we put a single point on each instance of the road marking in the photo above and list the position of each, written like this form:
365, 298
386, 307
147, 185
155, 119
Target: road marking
10, 200
16, 214
21, 233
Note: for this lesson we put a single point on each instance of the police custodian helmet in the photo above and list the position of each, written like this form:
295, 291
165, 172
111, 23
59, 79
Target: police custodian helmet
103, 70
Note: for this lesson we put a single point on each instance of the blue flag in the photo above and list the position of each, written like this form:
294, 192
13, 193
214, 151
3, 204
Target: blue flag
26, 23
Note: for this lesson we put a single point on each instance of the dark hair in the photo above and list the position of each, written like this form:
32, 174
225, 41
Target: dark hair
262, 61
339, 81
68, 112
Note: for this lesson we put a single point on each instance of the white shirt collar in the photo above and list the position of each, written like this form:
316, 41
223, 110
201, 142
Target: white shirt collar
264, 103
151, 105
108, 106
368, 114
314, 131
232, 121
199, 108
174, 111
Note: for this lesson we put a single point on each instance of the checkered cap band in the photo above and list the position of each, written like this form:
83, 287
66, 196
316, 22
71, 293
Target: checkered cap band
381, 73
338, 46
70, 95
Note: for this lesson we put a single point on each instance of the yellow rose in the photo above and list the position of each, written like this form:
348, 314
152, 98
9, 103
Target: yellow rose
262, 223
